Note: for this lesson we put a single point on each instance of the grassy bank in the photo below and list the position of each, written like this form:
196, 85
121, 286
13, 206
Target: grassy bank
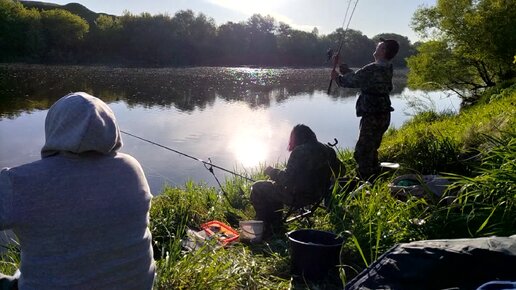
475, 150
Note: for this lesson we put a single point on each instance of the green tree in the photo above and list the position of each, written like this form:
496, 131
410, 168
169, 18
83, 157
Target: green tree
193, 36
108, 23
63, 33
476, 40
232, 43
73, 33
297, 47
437, 66
203, 34
357, 49
10, 29
106, 30
262, 41
20, 31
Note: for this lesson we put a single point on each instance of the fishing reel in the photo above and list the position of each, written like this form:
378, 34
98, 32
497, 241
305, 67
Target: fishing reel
343, 68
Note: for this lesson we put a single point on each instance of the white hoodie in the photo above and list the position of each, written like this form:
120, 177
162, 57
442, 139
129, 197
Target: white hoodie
81, 213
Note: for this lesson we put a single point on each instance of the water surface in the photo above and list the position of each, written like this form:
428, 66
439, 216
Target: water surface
239, 118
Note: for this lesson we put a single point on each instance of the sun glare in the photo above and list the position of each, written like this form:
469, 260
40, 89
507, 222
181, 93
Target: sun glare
250, 148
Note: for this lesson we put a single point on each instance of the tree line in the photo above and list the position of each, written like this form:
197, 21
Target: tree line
471, 46
50, 33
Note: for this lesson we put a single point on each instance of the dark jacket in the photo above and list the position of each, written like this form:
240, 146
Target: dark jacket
309, 171
375, 83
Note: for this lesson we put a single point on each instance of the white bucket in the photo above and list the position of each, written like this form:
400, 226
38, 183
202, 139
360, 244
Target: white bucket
251, 231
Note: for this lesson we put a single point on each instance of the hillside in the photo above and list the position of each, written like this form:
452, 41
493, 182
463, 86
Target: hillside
74, 8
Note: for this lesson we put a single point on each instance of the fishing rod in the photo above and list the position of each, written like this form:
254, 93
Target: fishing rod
342, 38
207, 164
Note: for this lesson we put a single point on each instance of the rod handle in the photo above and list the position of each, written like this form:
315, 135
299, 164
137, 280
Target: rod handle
334, 68
329, 87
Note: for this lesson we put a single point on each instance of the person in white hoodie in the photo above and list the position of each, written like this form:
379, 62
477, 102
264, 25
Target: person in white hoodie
81, 213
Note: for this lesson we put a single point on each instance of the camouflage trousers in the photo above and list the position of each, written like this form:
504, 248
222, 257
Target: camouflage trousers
268, 199
372, 128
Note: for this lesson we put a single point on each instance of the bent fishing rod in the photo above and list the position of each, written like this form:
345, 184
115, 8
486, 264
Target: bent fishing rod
342, 37
207, 164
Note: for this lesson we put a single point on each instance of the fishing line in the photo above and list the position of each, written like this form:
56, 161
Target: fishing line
345, 16
151, 172
207, 164
342, 36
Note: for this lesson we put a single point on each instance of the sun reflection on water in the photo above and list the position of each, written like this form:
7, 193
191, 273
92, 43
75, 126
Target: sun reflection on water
250, 145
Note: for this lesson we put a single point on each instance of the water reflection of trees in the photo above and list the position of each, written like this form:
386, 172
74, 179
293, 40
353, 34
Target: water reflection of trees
27, 88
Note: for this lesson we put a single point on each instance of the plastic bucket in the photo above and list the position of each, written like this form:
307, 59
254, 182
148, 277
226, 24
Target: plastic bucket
251, 231
313, 253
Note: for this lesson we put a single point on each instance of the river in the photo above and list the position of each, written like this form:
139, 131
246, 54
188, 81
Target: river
239, 118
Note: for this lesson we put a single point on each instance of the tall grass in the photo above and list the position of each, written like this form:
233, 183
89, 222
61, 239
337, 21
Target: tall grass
485, 204
212, 267
237, 267
175, 209
432, 142
373, 220
10, 258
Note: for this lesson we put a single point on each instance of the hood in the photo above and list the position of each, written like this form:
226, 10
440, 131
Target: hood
80, 123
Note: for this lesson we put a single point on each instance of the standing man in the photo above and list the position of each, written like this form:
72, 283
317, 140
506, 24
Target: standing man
373, 104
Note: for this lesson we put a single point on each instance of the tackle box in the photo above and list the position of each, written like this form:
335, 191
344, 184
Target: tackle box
219, 230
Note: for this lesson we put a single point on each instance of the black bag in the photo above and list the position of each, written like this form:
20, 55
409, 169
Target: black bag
441, 264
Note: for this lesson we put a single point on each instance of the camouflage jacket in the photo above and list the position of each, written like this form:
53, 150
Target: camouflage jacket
375, 83
309, 171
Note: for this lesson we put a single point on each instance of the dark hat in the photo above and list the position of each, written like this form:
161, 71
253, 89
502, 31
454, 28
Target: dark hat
392, 47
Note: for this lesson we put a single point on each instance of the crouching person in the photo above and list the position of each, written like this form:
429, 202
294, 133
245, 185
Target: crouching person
81, 213
305, 180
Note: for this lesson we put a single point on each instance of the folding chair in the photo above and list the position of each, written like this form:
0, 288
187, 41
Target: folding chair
305, 212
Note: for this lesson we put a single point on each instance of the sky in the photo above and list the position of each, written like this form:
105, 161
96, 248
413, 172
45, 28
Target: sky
371, 17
